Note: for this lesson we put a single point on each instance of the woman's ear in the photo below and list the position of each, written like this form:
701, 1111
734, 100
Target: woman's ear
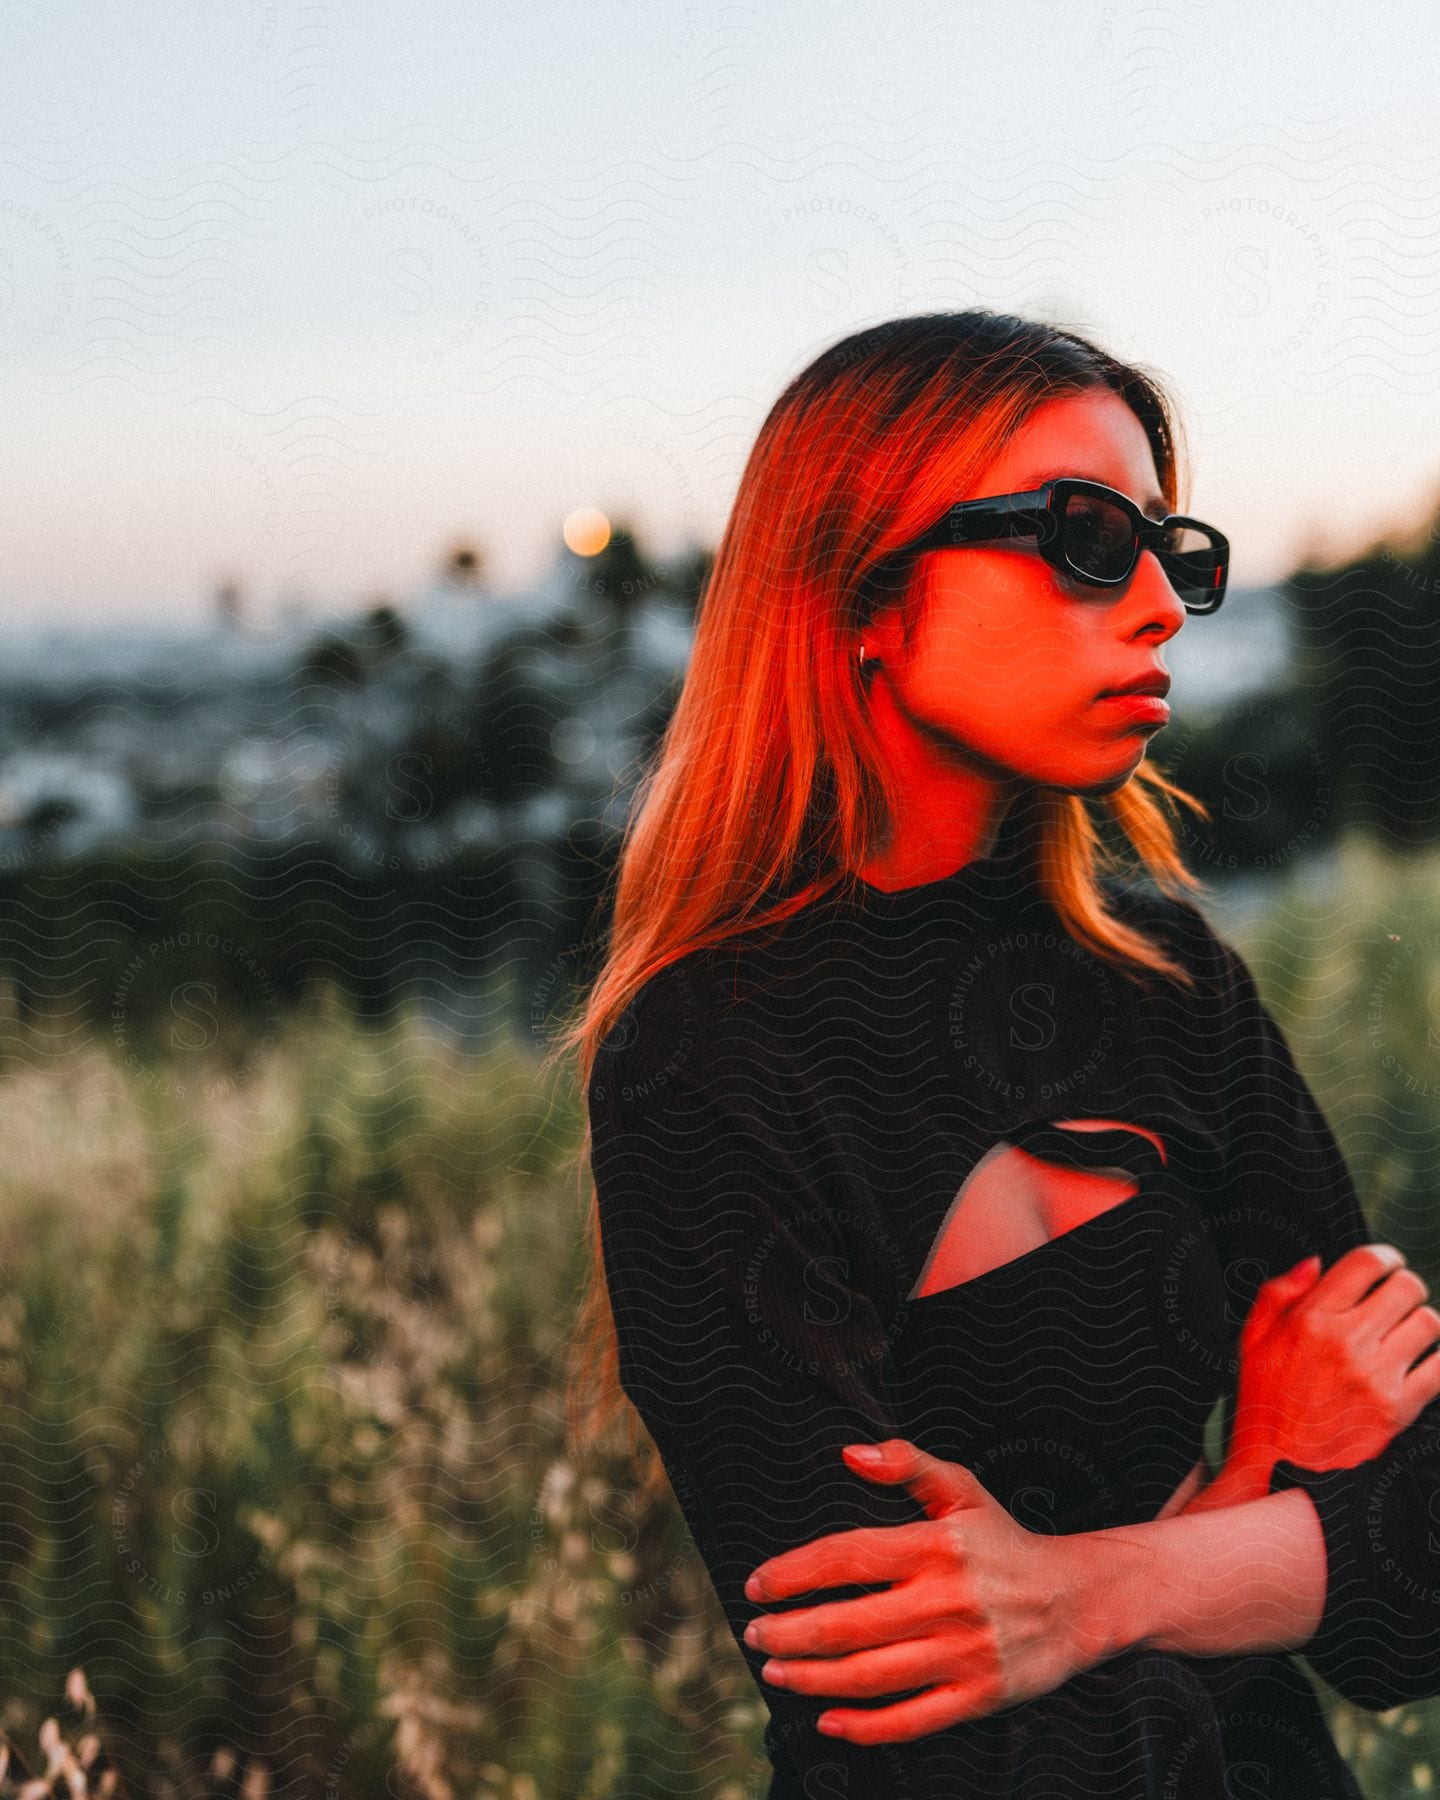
882, 639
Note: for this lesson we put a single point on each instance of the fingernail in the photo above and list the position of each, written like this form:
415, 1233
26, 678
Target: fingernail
867, 1454
774, 1673
752, 1588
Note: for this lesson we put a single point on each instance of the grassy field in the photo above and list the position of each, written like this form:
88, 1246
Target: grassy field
281, 1346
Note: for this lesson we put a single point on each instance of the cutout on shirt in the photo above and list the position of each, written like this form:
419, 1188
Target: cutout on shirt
1023, 1193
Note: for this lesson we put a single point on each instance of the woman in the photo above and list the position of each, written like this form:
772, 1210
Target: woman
919, 1131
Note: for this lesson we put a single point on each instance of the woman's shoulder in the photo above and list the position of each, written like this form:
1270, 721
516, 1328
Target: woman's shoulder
682, 1024
1182, 923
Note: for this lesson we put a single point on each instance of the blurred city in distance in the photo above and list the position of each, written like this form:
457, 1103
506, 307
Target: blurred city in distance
418, 793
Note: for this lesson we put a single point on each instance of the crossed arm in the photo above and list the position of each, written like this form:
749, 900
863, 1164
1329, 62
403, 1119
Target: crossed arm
994, 1615
1192, 1580
1207, 1581
991, 1614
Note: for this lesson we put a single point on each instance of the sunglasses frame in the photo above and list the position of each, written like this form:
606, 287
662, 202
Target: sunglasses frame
1040, 513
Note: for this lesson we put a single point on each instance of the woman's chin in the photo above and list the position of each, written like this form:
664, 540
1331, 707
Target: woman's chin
1105, 781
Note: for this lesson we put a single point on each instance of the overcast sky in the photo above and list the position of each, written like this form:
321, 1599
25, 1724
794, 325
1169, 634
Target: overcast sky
298, 292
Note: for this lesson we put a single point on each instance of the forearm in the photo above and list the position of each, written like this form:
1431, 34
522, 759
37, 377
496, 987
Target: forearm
1232, 1579
1245, 1476
1240, 1480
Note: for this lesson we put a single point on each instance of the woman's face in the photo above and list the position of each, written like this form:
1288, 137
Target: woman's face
1010, 657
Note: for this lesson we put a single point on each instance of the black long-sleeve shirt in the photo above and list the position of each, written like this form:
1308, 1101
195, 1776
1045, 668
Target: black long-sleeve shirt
785, 1130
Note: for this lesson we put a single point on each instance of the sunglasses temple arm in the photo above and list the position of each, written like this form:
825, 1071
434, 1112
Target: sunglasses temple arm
984, 522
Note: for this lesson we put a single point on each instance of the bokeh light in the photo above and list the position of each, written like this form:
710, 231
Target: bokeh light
586, 531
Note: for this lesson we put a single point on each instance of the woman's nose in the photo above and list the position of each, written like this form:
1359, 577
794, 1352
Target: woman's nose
1151, 602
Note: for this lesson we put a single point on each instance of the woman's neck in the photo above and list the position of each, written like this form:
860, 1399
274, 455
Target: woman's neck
952, 800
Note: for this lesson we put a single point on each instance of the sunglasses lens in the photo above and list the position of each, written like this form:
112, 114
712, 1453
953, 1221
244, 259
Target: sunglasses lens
1193, 561
1097, 538
1194, 567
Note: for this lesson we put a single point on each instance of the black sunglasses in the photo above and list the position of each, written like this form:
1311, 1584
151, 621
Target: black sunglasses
1092, 533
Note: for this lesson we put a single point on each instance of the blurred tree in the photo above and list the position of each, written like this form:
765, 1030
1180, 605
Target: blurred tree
465, 565
332, 659
1369, 641
385, 633
687, 575
622, 573
1259, 768
517, 711
229, 609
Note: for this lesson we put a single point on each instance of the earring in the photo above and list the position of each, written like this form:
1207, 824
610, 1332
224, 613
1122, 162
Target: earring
860, 659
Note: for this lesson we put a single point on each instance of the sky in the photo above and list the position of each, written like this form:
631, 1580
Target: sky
298, 294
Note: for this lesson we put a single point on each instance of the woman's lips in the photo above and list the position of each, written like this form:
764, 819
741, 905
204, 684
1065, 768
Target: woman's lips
1147, 708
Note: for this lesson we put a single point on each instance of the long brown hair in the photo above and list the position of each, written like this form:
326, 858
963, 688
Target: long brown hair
769, 788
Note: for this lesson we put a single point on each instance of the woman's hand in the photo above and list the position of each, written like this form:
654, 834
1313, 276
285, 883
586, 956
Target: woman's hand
1325, 1377
977, 1612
